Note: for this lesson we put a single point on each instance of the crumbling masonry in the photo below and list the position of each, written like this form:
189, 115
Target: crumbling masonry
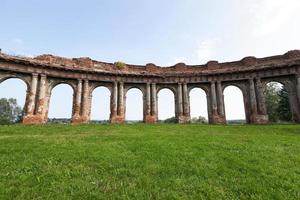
43, 73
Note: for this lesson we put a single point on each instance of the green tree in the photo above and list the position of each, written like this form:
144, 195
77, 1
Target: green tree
10, 112
170, 120
277, 102
200, 120
283, 108
272, 101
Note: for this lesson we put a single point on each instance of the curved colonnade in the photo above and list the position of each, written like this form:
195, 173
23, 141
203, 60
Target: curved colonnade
251, 75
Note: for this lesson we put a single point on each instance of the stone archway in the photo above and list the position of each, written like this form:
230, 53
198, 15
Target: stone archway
234, 104
100, 106
166, 107
61, 102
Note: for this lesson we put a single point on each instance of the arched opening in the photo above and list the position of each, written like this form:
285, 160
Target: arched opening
277, 102
166, 105
234, 105
60, 107
134, 105
100, 110
12, 100
198, 105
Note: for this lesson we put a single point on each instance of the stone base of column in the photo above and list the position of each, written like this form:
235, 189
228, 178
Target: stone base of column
80, 120
183, 119
217, 119
259, 119
117, 119
150, 119
34, 119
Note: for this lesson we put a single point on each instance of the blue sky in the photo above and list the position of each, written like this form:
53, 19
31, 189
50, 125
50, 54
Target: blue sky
162, 32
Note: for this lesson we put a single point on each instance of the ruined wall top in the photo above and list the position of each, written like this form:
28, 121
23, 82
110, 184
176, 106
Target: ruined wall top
89, 65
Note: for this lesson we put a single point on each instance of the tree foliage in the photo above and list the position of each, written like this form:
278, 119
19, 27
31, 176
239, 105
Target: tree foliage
10, 112
277, 102
170, 120
199, 120
283, 109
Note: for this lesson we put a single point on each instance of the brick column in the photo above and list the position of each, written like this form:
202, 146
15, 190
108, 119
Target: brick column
298, 90
256, 103
149, 118
31, 101
293, 90
220, 99
114, 100
179, 100
32, 95
42, 110
216, 112
213, 98
221, 119
186, 101
213, 114
148, 99
253, 104
77, 103
118, 104
154, 100
121, 107
85, 102
261, 101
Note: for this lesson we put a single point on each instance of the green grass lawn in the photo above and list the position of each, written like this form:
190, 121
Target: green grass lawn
150, 162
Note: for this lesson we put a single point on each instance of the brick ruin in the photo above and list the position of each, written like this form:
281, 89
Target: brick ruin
43, 73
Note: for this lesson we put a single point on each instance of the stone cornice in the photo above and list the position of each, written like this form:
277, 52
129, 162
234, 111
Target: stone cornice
88, 66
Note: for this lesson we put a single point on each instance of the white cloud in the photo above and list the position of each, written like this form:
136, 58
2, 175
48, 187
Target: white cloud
17, 41
202, 52
205, 50
271, 15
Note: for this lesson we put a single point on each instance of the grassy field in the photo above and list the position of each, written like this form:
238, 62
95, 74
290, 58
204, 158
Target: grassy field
150, 162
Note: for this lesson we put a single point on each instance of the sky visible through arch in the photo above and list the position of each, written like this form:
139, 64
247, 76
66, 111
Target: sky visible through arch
163, 32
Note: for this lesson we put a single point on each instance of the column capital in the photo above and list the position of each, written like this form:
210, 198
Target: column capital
43, 75
35, 74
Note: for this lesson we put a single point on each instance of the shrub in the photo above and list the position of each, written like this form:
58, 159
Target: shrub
120, 65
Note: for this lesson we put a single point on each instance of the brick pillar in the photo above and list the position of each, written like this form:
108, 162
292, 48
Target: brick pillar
253, 104
293, 90
255, 116
183, 105
42, 109
213, 98
114, 101
214, 116
37, 105
298, 91
260, 98
118, 107
77, 103
154, 102
31, 101
262, 117
220, 104
149, 118
178, 100
32, 95
86, 102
